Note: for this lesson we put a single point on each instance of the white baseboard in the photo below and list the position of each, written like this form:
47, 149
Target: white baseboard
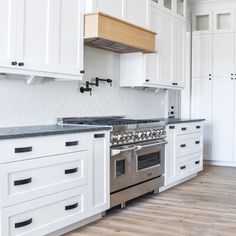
164, 188
220, 163
76, 225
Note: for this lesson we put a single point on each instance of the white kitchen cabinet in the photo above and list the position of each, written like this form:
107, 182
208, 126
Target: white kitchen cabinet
223, 21
179, 37
184, 152
164, 69
202, 22
112, 8
223, 119
201, 108
223, 54
69, 42
42, 38
101, 173
202, 56
7, 32
137, 13
35, 35
53, 182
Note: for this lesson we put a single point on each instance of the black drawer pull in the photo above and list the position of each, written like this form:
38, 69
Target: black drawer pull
70, 207
23, 223
99, 135
183, 145
23, 149
73, 143
175, 84
21, 64
197, 142
183, 167
71, 171
22, 182
183, 129
14, 63
82, 72
198, 127
172, 127
197, 162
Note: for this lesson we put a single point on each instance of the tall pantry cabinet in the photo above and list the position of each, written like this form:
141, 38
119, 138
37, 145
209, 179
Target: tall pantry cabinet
213, 81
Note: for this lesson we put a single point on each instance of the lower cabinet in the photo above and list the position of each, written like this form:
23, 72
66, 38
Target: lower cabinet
43, 194
184, 152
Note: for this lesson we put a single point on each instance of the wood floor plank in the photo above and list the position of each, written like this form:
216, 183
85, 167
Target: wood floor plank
204, 206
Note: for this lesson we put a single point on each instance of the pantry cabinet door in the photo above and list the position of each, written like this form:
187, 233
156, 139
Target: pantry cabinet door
68, 38
223, 55
202, 56
179, 38
137, 13
7, 32
202, 108
222, 119
35, 34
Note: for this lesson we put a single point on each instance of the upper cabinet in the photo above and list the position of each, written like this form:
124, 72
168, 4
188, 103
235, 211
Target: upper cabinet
202, 22
112, 8
42, 38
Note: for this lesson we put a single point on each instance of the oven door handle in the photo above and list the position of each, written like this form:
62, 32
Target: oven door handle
115, 152
137, 148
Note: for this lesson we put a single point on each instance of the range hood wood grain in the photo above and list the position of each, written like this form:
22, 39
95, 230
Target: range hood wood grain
109, 33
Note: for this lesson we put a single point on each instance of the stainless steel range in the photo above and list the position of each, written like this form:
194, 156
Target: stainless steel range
137, 155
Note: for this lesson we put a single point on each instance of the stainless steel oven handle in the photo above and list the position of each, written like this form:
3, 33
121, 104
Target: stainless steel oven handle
118, 151
137, 148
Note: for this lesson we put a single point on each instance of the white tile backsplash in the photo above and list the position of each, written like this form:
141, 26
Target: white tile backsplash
22, 104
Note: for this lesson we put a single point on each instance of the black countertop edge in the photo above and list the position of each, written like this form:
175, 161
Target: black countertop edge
171, 121
47, 130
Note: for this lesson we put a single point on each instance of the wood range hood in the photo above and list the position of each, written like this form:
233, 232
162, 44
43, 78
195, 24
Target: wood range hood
109, 33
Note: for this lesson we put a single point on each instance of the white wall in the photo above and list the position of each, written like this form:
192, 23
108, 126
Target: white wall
43, 103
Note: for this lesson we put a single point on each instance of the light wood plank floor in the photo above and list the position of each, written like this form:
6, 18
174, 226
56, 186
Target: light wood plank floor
204, 206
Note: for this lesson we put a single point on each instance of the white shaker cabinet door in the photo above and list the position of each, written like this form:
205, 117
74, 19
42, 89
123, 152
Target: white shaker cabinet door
223, 55
137, 12
202, 55
179, 39
7, 33
202, 107
35, 34
68, 38
222, 119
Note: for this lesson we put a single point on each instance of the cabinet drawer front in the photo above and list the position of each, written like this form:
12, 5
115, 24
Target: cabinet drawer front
28, 148
188, 144
26, 180
191, 165
45, 215
188, 128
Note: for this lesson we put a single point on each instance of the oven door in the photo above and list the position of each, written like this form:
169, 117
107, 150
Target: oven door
148, 161
120, 173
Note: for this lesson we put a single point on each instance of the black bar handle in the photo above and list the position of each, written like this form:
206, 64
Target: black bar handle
22, 181
23, 149
183, 145
72, 143
21, 64
198, 127
183, 167
23, 223
197, 142
172, 127
71, 171
99, 135
184, 129
70, 207
197, 162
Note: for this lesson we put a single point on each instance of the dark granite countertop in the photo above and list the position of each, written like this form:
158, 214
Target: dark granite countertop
179, 121
44, 130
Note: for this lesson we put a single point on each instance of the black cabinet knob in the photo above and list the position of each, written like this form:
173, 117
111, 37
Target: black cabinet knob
21, 64
14, 63
82, 72
147, 80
